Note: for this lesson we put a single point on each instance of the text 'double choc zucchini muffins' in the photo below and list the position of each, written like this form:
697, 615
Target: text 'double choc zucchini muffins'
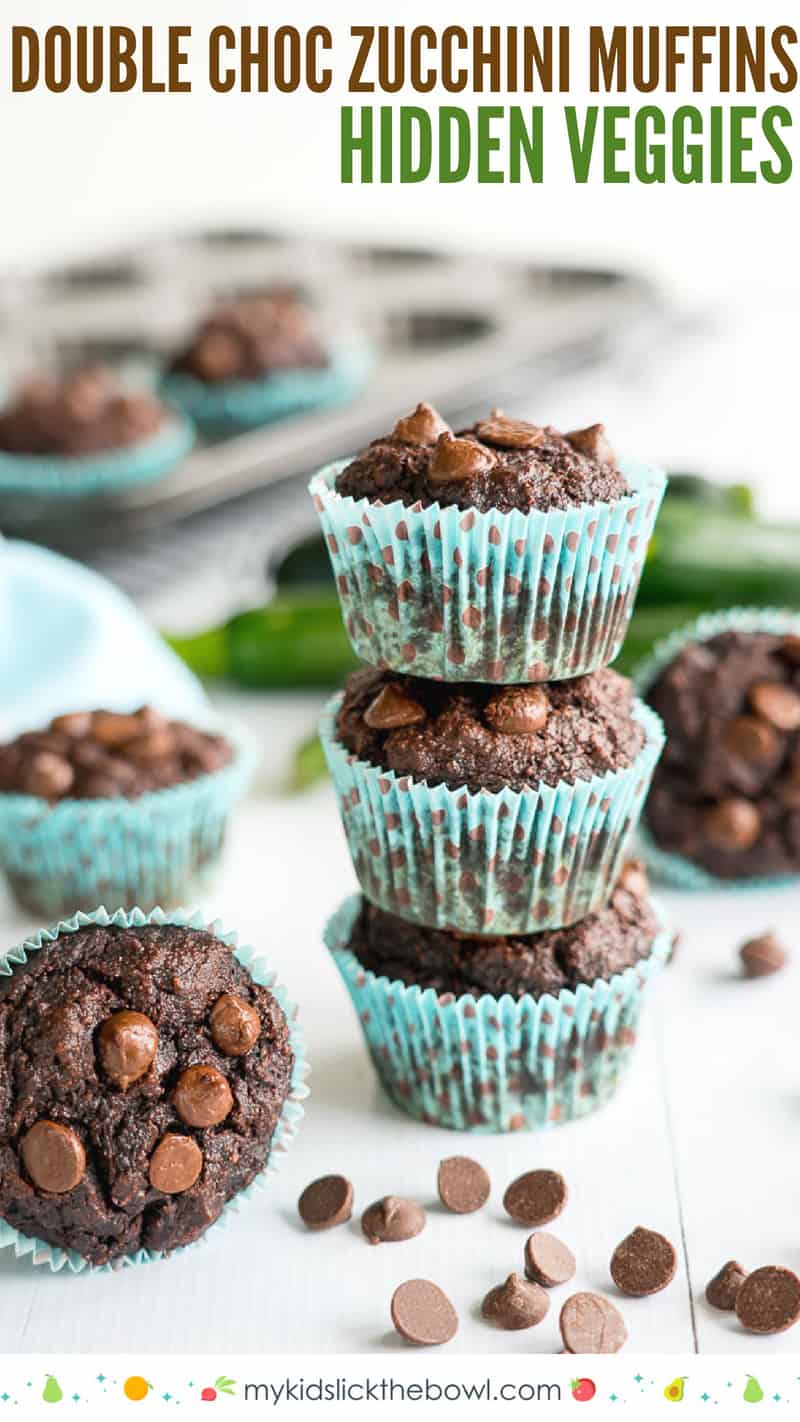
121, 808
504, 1033
508, 552
726, 797
146, 1074
489, 810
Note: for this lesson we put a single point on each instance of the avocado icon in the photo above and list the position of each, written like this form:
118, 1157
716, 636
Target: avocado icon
52, 1391
753, 1392
673, 1392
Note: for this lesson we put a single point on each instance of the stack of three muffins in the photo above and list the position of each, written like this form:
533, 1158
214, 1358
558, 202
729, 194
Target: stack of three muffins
490, 766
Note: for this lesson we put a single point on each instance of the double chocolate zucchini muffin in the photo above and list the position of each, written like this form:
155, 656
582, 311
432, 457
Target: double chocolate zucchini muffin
143, 1073
250, 337
727, 793
84, 412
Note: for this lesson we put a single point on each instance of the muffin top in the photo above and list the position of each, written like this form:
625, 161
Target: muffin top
143, 1073
599, 946
85, 412
500, 463
727, 792
491, 738
251, 336
94, 755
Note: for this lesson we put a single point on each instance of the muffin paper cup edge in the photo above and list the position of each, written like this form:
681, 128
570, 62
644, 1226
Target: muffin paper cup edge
292, 1111
38, 475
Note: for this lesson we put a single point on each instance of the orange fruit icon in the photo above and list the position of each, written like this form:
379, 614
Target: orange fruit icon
136, 1389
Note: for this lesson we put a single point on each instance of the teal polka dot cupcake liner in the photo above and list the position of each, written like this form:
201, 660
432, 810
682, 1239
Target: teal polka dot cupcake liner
244, 404
505, 862
70, 477
674, 869
78, 853
486, 1064
67, 1260
493, 597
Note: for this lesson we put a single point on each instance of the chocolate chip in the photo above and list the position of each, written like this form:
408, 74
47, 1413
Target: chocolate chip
518, 710
752, 739
548, 1261
393, 707
723, 1289
733, 825
127, 1044
634, 878
768, 1300
515, 1304
392, 1220
590, 1323
455, 459
153, 745
175, 1164
47, 775
112, 729
536, 1197
789, 789
73, 723
592, 441
423, 1314
53, 1156
422, 427
202, 1096
762, 955
790, 647
644, 1263
235, 1025
506, 433
326, 1202
216, 355
776, 703
463, 1184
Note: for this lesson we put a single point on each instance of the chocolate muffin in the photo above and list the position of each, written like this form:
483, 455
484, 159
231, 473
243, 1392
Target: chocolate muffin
142, 1076
605, 943
88, 411
251, 337
91, 755
490, 738
499, 463
727, 792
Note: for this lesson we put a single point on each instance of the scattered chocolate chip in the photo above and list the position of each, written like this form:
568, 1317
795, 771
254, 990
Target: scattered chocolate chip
127, 1044
455, 459
752, 739
592, 441
423, 1314
113, 729
153, 745
548, 1261
46, 775
393, 707
634, 878
776, 703
768, 1300
175, 1164
536, 1197
590, 1323
326, 1202
463, 1184
506, 433
392, 1220
515, 1304
762, 955
53, 1156
202, 1096
733, 825
790, 646
422, 427
723, 1289
518, 710
73, 723
644, 1263
235, 1025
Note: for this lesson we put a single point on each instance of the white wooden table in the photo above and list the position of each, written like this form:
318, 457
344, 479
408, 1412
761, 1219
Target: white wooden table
701, 1143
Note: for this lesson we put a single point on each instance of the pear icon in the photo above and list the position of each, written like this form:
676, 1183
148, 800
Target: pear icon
673, 1392
753, 1392
52, 1391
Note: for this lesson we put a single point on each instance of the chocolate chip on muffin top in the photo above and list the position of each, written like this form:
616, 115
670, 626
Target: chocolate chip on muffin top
499, 463
490, 738
91, 755
84, 412
251, 336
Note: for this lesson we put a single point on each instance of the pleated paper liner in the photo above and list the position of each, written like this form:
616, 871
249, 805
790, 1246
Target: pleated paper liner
486, 1064
493, 597
39, 476
58, 1259
508, 862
